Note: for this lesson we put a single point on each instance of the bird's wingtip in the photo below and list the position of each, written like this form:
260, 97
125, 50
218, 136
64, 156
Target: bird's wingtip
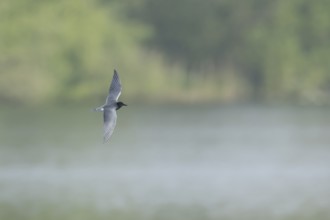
105, 140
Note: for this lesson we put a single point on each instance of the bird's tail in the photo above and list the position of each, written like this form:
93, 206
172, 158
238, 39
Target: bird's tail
98, 109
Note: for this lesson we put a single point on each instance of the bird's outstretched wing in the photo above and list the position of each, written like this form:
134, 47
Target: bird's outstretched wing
115, 89
109, 120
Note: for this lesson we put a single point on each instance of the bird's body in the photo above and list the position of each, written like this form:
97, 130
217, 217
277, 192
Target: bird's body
110, 107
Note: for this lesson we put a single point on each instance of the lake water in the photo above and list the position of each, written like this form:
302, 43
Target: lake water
166, 162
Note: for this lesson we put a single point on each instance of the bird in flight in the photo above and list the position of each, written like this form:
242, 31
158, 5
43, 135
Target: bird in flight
110, 107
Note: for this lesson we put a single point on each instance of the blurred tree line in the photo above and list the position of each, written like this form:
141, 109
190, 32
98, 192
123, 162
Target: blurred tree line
220, 50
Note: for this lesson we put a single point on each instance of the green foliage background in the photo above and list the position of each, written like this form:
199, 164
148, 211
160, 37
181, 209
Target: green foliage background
55, 51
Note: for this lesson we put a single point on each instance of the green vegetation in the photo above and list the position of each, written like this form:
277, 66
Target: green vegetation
49, 210
184, 50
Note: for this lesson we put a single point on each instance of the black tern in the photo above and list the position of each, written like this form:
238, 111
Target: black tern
110, 107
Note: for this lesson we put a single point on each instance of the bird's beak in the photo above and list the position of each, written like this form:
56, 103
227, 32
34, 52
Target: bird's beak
124, 104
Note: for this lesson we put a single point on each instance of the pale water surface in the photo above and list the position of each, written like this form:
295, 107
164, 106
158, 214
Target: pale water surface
166, 162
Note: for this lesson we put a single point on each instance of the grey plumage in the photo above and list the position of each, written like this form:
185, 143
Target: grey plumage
109, 120
114, 90
110, 107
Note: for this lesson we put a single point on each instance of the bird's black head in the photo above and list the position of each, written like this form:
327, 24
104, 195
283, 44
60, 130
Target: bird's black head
120, 104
